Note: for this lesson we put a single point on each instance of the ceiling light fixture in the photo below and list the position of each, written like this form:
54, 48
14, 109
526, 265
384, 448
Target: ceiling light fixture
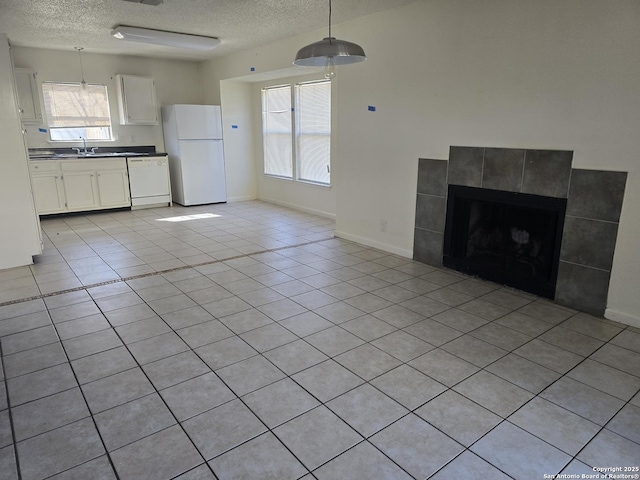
153, 3
83, 82
329, 52
162, 37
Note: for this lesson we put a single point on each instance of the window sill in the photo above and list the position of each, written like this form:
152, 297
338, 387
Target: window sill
301, 182
73, 143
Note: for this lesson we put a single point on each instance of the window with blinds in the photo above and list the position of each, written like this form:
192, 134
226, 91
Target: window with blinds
75, 111
277, 131
297, 141
313, 133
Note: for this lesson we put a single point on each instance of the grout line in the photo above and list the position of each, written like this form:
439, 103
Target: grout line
524, 165
612, 222
160, 272
482, 168
585, 266
10, 414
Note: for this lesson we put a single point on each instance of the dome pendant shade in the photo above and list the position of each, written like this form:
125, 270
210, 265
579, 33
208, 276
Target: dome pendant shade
317, 53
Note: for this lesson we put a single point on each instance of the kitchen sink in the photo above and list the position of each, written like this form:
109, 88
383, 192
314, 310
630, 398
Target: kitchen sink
101, 154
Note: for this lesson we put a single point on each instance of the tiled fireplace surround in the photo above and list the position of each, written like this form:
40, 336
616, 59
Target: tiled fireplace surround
594, 202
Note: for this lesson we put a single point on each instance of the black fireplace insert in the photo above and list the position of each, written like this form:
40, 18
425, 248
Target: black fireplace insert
510, 238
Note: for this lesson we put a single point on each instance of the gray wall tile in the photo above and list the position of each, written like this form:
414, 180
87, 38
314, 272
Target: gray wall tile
432, 177
465, 166
589, 242
427, 247
582, 288
430, 212
596, 194
547, 172
503, 169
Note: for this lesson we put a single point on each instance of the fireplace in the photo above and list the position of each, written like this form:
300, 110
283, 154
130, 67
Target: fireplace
510, 238
584, 236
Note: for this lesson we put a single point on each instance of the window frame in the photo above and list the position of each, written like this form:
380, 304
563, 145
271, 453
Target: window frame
51, 128
264, 94
296, 158
298, 131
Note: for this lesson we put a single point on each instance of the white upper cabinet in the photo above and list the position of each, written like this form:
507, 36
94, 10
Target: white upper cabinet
28, 96
136, 100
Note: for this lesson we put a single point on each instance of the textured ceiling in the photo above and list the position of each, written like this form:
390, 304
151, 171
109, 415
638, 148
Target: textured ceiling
240, 24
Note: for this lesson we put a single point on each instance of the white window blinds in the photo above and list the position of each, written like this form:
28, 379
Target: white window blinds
313, 133
74, 111
277, 131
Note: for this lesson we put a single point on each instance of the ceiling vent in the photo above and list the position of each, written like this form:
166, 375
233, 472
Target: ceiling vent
155, 3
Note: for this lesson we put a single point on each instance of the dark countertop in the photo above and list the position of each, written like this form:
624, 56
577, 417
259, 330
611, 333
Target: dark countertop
101, 152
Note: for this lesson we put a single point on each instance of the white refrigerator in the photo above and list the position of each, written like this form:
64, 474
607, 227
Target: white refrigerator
193, 139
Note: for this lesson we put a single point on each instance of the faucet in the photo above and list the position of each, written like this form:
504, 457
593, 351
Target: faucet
84, 144
85, 150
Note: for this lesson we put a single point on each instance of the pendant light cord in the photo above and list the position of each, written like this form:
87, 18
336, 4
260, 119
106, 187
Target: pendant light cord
330, 21
79, 49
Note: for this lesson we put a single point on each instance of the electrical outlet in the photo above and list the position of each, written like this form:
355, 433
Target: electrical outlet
383, 225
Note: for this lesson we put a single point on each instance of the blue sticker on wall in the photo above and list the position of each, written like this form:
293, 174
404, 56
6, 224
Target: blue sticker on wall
371, 108
43, 130
253, 69
234, 126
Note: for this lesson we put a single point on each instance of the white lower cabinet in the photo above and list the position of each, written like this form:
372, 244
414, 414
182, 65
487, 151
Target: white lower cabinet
46, 179
79, 185
49, 193
113, 188
81, 190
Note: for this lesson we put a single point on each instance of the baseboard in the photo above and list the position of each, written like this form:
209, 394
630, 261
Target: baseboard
240, 199
372, 243
313, 211
622, 317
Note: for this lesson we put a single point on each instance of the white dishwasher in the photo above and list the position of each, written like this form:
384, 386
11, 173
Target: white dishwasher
149, 181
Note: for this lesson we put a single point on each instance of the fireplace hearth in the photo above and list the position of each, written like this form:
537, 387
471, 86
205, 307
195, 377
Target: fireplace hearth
510, 238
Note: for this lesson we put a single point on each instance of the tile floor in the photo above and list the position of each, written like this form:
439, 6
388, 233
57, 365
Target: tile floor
244, 341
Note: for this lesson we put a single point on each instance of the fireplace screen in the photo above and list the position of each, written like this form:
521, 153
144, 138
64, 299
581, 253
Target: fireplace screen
509, 238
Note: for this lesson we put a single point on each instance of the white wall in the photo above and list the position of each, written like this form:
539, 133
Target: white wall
503, 73
176, 82
544, 74
238, 142
20, 235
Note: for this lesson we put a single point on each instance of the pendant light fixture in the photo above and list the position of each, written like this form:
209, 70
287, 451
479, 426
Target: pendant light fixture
83, 82
329, 52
